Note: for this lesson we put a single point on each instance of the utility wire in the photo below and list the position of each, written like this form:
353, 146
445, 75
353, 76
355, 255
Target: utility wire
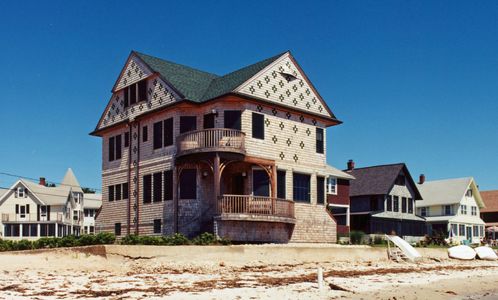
54, 182
36, 193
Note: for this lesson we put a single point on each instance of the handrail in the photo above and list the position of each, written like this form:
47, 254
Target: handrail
212, 139
256, 205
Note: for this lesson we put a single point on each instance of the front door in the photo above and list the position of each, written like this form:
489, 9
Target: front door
237, 187
469, 233
260, 183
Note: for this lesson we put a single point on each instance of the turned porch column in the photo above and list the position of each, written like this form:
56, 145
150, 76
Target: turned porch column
217, 178
273, 181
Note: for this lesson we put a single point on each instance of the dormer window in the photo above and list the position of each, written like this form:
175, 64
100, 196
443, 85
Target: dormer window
288, 77
135, 93
21, 192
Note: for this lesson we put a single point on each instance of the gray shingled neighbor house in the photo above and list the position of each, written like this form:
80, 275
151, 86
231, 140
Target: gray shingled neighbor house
383, 201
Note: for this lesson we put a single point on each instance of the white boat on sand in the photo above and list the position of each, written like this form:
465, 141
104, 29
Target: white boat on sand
461, 252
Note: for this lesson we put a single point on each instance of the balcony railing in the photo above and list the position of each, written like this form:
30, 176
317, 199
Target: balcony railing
255, 205
210, 140
57, 217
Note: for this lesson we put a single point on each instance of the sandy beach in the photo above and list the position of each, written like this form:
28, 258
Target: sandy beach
239, 272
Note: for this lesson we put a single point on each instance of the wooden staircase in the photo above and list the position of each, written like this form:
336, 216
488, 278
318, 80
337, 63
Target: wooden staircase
396, 254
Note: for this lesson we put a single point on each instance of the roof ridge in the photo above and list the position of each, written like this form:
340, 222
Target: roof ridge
377, 166
174, 63
449, 179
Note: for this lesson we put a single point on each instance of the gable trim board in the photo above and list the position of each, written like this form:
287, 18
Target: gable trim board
212, 81
448, 187
13, 190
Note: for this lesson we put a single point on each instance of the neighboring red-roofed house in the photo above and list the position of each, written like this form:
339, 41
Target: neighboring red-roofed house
489, 213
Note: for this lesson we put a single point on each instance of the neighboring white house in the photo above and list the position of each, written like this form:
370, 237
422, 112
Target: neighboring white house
32, 210
92, 204
452, 206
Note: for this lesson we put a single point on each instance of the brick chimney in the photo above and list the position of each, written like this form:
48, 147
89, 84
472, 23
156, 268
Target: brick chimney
350, 165
421, 179
42, 181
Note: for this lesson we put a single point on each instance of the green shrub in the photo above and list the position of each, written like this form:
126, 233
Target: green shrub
46, 242
131, 239
67, 241
379, 240
87, 240
356, 237
175, 239
105, 238
205, 238
23, 245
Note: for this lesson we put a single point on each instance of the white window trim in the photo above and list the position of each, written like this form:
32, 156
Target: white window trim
329, 186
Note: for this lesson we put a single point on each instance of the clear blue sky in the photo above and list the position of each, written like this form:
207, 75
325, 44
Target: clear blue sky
413, 81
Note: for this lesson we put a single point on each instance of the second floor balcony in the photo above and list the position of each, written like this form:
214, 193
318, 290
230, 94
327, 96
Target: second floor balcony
211, 140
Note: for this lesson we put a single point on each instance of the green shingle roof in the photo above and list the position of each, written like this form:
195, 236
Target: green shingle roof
200, 86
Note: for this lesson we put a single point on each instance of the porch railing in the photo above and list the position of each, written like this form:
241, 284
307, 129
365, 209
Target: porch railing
57, 217
213, 139
255, 205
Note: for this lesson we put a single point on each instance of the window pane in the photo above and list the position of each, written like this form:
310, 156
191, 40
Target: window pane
142, 90
111, 149
188, 123
258, 129
117, 192
158, 187
133, 94
118, 146
126, 97
117, 228
126, 139
260, 183
232, 119
188, 184
301, 187
157, 226
111, 193
147, 194
168, 132
145, 134
281, 184
158, 135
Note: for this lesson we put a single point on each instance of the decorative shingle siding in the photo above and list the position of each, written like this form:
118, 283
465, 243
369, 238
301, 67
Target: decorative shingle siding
133, 72
272, 85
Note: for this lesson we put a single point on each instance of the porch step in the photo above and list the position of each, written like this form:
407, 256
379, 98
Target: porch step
397, 255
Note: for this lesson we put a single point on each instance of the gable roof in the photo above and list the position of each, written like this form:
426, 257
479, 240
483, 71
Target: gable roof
48, 195
447, 191
378, 180
92, 200
3, 191
333, 171
490, 199
200, 86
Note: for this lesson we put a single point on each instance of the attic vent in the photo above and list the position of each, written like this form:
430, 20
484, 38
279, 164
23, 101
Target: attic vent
288, 77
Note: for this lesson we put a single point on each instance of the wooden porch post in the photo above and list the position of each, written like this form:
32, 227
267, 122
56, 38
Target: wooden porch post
176, 184
273, 180
217, 179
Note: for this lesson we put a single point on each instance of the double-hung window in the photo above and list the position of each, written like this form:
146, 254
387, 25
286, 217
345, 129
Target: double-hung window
332, 185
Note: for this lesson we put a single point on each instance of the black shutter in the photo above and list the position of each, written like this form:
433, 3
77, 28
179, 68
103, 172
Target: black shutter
27, 208
232, 119
48, 212
158, 135
118, 146
142, 90
209, 121
158, 187
111, 148
125, 190
133, 94
157, 225
126, 97
281, 184
145, 134
110, 195
319, 140
17, 208
320, 190
126, 139
168, 185
168, 132
147, 186
258, 129
38, 212
188, 184
117, 228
